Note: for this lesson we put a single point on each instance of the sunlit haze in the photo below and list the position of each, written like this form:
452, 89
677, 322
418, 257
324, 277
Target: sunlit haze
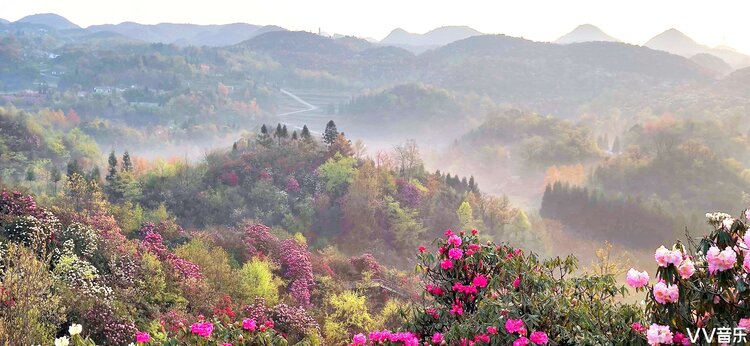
708, 22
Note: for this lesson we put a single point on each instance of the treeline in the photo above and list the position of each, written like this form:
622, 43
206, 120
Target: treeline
538, 140
590, 214
326, 189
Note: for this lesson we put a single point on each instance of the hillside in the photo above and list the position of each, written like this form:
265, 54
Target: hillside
585, 33
676, 42
51, 20
419, 43
712, 63
553, 78
187, 34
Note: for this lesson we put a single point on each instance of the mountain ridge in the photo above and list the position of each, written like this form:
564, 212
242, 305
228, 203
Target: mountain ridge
51, 20
677, 42
586, 33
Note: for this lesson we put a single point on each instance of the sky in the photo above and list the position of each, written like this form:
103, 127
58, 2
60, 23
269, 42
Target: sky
716, 22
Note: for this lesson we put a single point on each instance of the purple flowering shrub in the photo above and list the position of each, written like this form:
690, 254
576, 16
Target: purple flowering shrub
294, 258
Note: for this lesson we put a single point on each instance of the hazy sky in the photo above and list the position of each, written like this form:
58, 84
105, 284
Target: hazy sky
710, 22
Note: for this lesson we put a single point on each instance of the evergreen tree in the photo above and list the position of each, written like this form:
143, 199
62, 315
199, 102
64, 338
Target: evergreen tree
55, 176
284, 132
112, 169
234, 147
127, 165
294, 135
331, 133
278, 133
30, 174
74, 168
94, 175
305, 132
473, 185
264, 138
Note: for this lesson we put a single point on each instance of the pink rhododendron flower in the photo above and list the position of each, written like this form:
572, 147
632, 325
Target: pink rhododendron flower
203, 329
482, 338
466, 289
522, 341
448, 233
539, 338
664, 293
638, 327
457, 309
720, 260
422, 248
658, 335
747, 213
517, 282
681, 339
744, 323
747, 237
637, 279
455, 254
359, 339
665, 257
437, 338
454, 240
513, 326
249, 324
686, 269
492, 330
142, 337
480, 281
446, 264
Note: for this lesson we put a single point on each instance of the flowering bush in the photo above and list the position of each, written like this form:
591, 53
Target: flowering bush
236, 333
703, 285
296, 266
494, 294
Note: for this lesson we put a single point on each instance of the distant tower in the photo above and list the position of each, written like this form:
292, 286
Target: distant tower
320, 33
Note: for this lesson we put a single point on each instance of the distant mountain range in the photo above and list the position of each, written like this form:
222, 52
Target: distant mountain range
434, 38
188, 34
676, 42
51, 20
585, 33
672, 40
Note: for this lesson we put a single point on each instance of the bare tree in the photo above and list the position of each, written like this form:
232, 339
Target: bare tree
360, 149
407, 156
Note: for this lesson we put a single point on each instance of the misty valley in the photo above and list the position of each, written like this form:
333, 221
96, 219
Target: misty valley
239, 184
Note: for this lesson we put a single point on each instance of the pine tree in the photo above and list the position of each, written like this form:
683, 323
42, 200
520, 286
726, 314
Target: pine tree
74, 168
473, 185
234, 147
127, 165
264, 138
278, 133
305, 133
30, 174
112, 169
94, 175
284, 132
56, 177
294, 135
331, 133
